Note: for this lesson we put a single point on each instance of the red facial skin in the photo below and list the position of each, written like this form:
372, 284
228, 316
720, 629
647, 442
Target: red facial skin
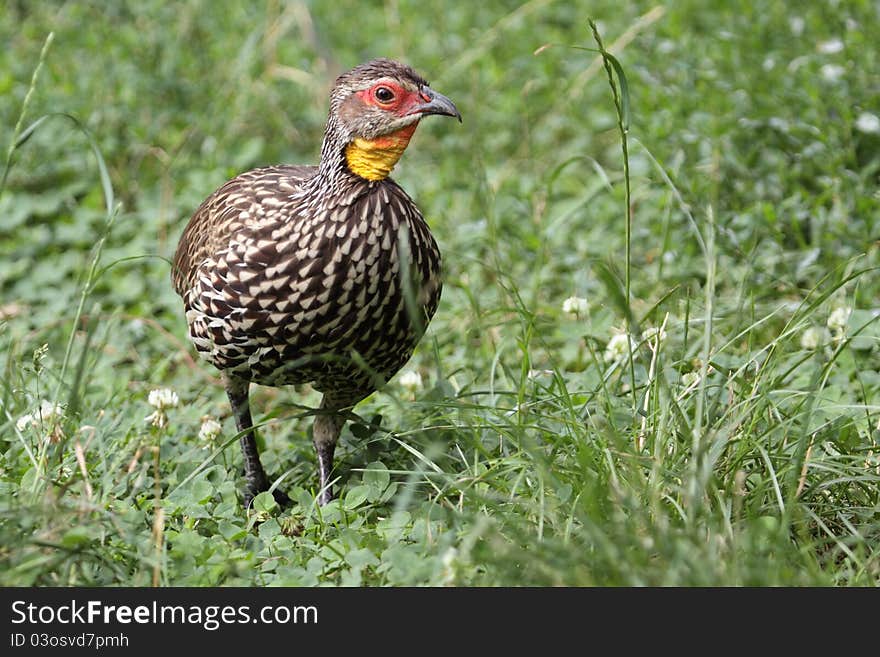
401, 104
404, 103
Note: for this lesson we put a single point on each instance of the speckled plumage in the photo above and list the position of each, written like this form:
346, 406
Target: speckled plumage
304, 274
280, 288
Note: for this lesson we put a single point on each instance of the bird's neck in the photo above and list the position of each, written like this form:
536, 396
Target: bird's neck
360, 159
374, 159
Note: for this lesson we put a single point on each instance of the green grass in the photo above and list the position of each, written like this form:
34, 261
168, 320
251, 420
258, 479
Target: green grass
739, 449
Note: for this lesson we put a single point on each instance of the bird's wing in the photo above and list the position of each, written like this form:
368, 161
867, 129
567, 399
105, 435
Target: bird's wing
226, 212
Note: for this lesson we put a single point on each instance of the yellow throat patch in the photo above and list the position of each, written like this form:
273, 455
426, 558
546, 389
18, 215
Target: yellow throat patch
374, 159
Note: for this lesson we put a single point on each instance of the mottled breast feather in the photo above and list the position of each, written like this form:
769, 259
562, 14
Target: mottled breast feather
282, 285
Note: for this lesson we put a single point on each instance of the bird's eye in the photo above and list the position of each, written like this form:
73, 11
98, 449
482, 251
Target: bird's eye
383, 94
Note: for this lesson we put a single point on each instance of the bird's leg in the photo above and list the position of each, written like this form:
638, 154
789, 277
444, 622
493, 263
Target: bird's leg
255, 476
325, 433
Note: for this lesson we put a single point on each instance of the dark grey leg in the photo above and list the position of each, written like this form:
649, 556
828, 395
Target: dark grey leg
325, 433
255, 476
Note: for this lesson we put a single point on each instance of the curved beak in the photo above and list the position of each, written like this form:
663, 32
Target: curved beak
435, 103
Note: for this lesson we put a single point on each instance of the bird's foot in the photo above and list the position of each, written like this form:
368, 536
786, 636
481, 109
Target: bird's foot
280, 497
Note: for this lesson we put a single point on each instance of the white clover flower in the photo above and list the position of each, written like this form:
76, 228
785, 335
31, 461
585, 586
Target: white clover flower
24, 422
832, 72
448, 561
617, 346
411, 380
46, 418
830, 47
163, 398
448, 558
137, 327
157, 419
813, 338
868, 123
209, 431
575, 306
47, 412
653, 333
689, 379
838, 319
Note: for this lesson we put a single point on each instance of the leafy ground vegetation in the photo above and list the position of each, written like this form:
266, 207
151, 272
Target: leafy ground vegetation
690, 397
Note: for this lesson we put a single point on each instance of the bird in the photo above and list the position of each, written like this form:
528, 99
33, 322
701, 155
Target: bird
324, 274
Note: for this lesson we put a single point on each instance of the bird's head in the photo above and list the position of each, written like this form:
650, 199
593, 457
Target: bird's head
377, 107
